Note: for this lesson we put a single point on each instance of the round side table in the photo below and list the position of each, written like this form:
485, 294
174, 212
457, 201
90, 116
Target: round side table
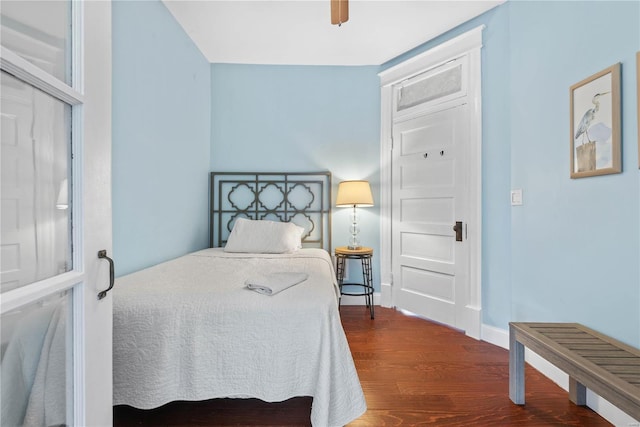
364, 254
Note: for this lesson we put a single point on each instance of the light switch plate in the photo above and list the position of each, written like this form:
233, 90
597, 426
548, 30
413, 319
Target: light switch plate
516, 197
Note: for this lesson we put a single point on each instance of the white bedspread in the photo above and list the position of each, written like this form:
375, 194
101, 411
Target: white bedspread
189, 329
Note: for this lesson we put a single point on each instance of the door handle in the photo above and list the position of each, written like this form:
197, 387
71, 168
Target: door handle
458, 229
103, 254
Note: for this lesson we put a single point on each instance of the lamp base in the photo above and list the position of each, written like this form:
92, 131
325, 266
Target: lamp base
354, 248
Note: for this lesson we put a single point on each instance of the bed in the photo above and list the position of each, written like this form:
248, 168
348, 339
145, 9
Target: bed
192, 329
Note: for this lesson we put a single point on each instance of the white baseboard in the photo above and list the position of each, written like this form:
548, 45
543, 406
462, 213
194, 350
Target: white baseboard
602, 407
495, 336
385, 295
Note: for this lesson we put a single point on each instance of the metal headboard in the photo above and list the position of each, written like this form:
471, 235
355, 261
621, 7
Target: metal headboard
303, 198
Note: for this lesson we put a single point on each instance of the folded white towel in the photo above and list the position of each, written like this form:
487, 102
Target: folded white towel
271, 284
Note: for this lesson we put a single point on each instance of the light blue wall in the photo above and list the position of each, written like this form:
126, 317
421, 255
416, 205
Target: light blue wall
161, 137
575, 242
301, 118
571, 252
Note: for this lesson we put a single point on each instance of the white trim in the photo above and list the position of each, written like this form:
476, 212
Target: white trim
77, 46
79, 417
435, 56
386, 132
601, 406
80, 334
36, 77
468, 44
77, 161
385, 295
472, 315
474, 224
33, 292
495, 336
96, 73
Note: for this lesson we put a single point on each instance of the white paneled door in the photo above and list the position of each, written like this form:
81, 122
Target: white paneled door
430, 260
431, 170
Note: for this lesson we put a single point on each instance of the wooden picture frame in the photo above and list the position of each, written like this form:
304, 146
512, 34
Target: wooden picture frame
595, 124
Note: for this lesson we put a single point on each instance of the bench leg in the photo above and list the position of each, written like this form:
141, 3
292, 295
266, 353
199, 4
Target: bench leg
516, 370
577, 392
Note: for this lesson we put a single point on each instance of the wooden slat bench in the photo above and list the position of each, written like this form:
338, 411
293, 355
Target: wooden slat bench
592, 360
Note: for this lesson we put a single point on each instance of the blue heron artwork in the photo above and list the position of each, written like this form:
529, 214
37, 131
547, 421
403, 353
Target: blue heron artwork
599, 131
593, 129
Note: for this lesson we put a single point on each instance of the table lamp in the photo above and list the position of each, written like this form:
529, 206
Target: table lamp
354, 194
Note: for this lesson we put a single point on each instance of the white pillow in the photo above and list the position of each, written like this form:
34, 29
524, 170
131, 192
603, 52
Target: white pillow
266, 237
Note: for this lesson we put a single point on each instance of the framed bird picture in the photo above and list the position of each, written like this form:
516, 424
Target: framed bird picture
595, 124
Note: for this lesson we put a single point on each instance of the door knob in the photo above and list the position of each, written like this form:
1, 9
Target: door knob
458, 229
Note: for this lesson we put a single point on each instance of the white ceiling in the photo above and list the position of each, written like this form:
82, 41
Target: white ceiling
299, 31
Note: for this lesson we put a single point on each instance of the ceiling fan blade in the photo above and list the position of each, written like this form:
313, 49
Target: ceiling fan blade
339, 11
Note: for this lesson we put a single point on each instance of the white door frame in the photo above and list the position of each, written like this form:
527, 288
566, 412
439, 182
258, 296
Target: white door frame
468, 44
96, 191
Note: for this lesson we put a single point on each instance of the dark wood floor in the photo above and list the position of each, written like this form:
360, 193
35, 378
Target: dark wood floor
413, 372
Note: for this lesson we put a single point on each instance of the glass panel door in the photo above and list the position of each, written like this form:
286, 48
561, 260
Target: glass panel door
40, 32
48, 140
36, 371
35, 205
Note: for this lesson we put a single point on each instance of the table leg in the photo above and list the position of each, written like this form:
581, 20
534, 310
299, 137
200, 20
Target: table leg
516, 369
577, 392
340, 275
368, 281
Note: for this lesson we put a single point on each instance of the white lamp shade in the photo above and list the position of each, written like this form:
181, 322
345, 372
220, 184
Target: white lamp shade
354, 193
